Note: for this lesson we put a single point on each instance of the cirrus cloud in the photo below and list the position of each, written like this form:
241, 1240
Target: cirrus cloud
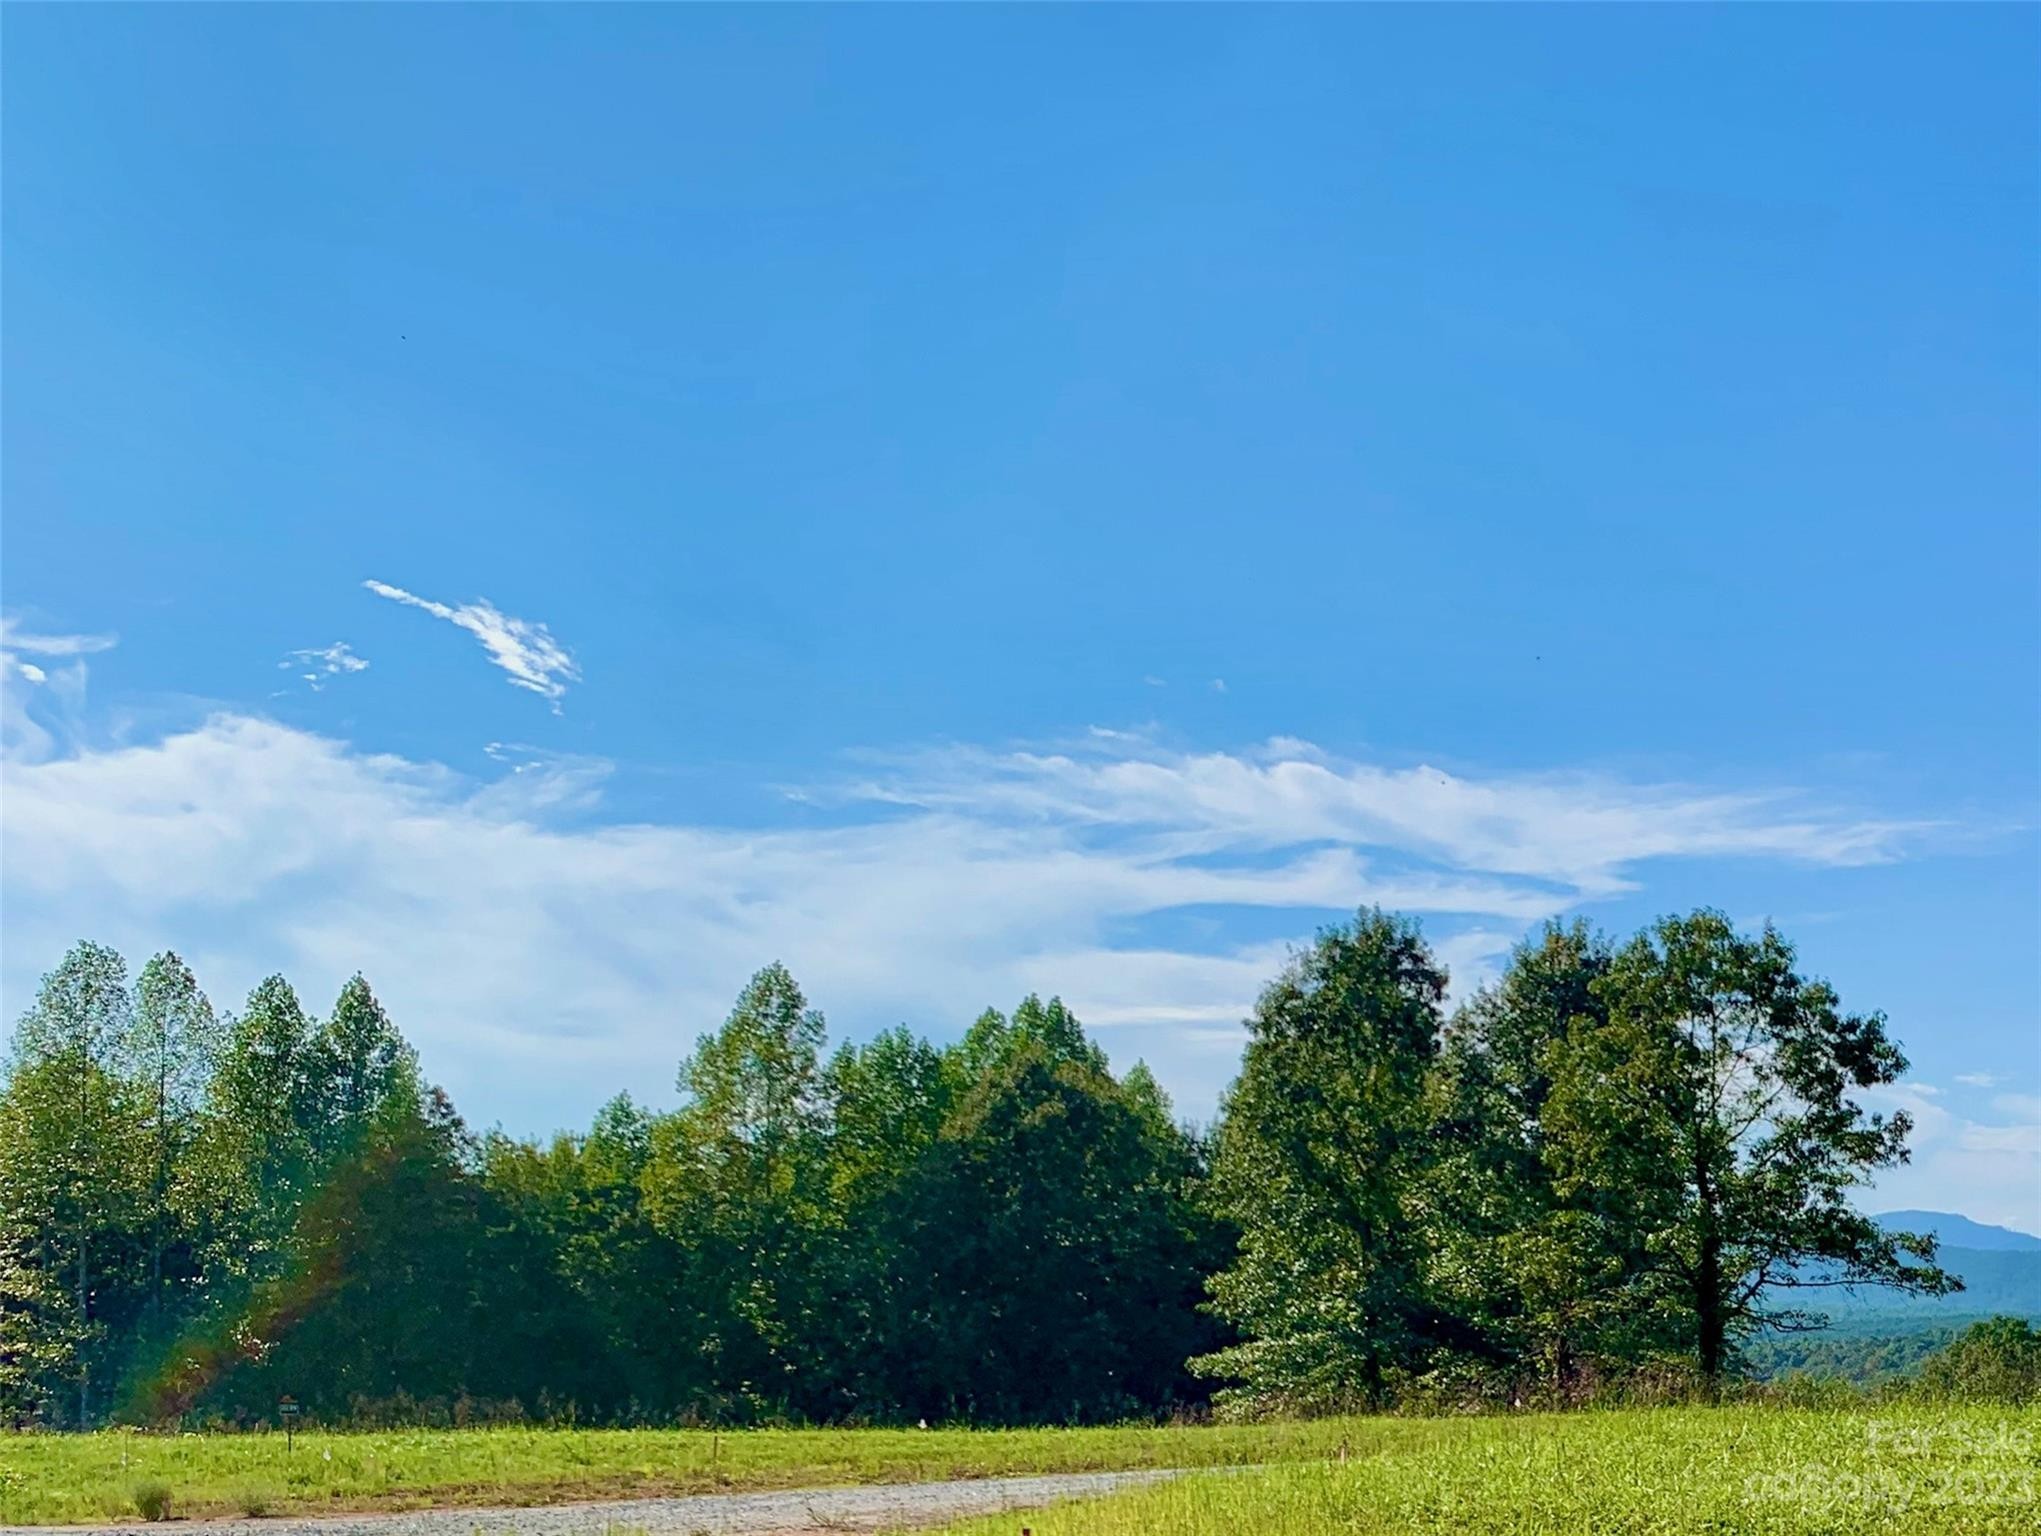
525, 649
542, 956
58, 691
316, 664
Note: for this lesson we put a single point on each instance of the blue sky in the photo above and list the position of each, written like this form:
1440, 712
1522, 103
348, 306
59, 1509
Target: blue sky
976, 500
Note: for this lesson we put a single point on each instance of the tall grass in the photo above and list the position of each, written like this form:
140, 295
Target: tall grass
1668, 1472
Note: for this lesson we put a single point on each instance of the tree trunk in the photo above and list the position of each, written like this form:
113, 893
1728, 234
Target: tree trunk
1711, 1323
1713, 1326
162, 1193
84, 1370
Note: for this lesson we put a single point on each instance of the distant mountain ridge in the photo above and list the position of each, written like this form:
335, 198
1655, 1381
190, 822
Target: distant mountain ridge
1994, 1280
2000, 1269
1875, 1334
1955, 1231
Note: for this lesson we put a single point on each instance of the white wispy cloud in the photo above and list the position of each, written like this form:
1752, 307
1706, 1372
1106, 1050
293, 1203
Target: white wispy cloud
37, 702
13, 639
543, 957
1582, 834
317, 664
1977, 1079
524, 648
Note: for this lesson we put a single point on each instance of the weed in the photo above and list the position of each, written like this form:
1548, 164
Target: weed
151, 1498
254, 1500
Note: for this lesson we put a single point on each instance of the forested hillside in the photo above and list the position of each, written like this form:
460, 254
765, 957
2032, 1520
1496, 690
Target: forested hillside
1995, 1282
1619, 1159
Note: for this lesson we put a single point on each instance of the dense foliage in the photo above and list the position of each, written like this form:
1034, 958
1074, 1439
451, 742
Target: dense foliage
1615, 1159
205, 1216
1997, 1360
1612, 1159
1857, 1359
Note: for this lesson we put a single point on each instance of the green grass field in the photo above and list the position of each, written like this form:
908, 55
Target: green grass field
1723, 1471
1667, 1472
50, 1479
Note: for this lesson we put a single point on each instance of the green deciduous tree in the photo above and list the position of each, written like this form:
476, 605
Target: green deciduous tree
39, 1324
262, 1131
1608, 1158
1716, 1101
1318, 1162
628, 1331
355, 1065
67, 1188
1538, 1276
397, 1285
738, 1178
1056, 1248
888, 1099
168, 1057
1994, 1361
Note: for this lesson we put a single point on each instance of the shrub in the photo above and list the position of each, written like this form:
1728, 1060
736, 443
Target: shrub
152, 1499
1995, 1361
254, 1500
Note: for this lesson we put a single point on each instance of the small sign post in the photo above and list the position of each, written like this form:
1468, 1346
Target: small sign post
287, 1407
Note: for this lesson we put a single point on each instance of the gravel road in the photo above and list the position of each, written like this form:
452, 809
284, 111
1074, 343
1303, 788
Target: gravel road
875, 1507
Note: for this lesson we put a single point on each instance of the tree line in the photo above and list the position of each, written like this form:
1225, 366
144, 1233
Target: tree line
1616, 1159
